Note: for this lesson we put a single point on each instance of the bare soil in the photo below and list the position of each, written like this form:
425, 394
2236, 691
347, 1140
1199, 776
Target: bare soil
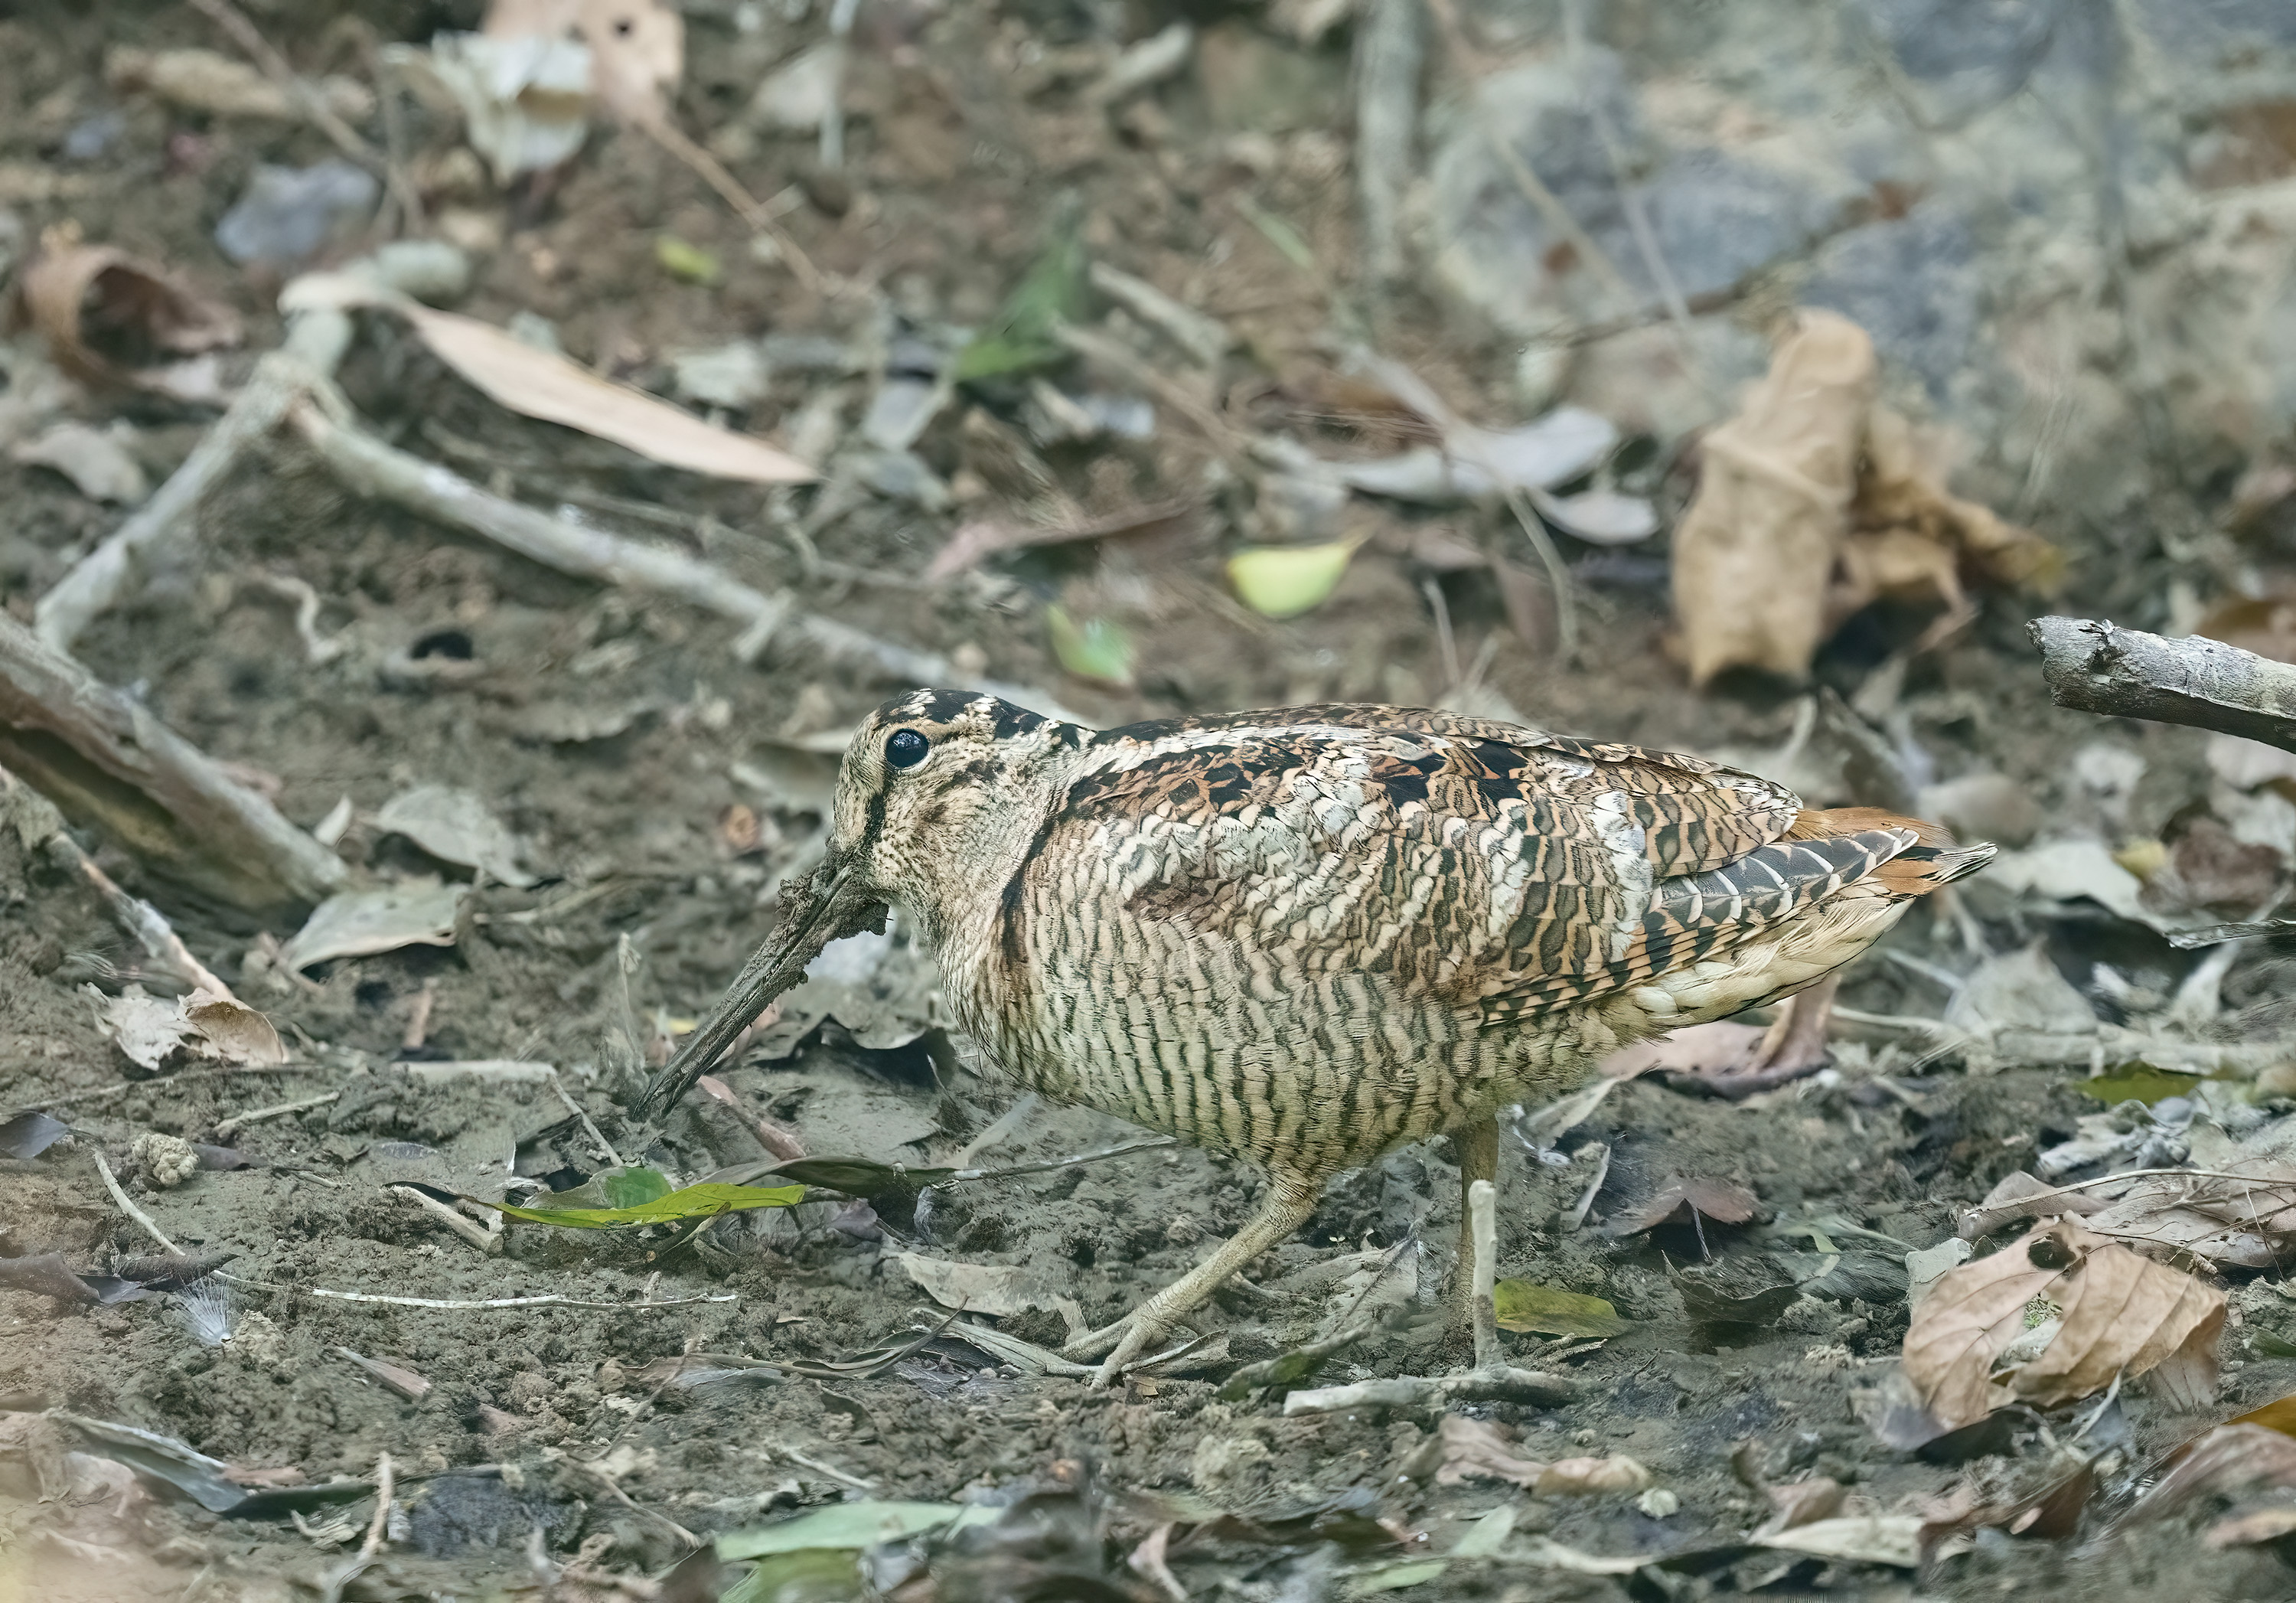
606, 731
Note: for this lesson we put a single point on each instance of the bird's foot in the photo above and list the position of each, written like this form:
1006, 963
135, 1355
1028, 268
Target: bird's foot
1794, 1047
1123, 1342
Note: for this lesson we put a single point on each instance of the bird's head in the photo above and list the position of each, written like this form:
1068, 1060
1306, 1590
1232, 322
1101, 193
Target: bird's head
933, 784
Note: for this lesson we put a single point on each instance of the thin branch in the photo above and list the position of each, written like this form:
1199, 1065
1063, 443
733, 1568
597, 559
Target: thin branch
128, 1207
2097, 667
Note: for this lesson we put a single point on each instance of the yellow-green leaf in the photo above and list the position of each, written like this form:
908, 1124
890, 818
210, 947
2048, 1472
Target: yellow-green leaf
682, 259
1550, 1310
1282, 581
693, 1202
1096, 649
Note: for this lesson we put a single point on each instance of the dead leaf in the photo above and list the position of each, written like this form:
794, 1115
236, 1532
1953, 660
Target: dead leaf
1523, 1305
109, 318
2264, 624
356, 924
2230, 1459
1726, 1202
146, 1030
232, 1031
2249, 1222
1889, 1539
1472, 1450
2116, 1313
2207, 869
1815, 503
1616, 1474
2253, 1529
2016, 1197
980, 539
219, 86
398, 1378
637, 47
1803, 1503
94, 459
454, 826
980, 1288
1754, 555
540, 384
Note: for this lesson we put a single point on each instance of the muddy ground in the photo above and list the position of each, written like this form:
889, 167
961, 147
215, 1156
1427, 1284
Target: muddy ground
614, 734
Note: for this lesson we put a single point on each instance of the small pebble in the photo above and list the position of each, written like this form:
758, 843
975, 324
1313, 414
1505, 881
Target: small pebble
1659, 1503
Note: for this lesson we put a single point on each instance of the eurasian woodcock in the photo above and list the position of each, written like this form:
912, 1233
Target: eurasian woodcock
1304, 937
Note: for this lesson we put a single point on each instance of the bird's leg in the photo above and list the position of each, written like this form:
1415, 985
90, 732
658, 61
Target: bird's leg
1286, 1210
1477, 1148
1796, 1044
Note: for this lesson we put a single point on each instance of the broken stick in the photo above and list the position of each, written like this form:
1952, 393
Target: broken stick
2097, 667
105, 760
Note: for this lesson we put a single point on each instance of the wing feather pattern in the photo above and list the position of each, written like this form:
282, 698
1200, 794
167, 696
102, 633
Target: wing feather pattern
1504, 871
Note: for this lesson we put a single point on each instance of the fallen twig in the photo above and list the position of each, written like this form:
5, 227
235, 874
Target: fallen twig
120, 1089
2097, 667
605, 1148
137, 919
121, 769
227, 1128
1390, 52
488, 1242
128, 1207
376, 1531
858, 1482
1498, 1384
371, 468
315, 343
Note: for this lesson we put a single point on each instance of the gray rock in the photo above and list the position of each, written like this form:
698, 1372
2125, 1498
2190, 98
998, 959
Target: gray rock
289, 213
1912, 284
1962, 56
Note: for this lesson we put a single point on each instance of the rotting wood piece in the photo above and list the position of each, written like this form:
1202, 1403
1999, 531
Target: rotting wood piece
108, 762
2097, 667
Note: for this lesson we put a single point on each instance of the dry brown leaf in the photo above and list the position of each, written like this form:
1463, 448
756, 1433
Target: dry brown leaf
2264, 624
2249, 1222
1593, 1477
2229, 1460
1803, 1503
980, 539
637, 47
540, 384
110, 319
233, 1032
2119, 1314
1815, 503
2018, 1196
985, 1288
1755, 552
1473, 1449
1724, 1201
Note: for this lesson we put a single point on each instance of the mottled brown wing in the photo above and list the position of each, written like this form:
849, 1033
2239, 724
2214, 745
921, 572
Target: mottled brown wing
1501, 870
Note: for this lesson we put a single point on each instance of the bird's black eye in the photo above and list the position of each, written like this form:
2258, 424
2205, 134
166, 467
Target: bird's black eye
905, 748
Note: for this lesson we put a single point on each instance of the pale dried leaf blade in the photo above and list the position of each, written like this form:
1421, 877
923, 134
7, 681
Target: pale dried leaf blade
1473, 1449
982, 1288
1755, 553
540, 384
236, 1033
361, 922
454, 826
146, 1030
637, 56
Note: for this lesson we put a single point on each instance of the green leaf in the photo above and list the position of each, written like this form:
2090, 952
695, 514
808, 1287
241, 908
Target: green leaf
628, 1188
1395, 1577
850, 1527
1549, 1311
809, 1576
693, 1202
1054, 291
1282, 581
682, 260
2139, 1082
1096, 649
1486, 1535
